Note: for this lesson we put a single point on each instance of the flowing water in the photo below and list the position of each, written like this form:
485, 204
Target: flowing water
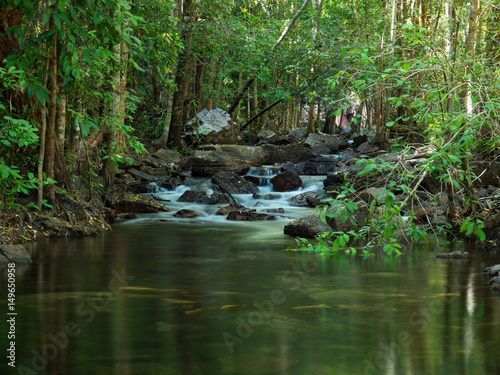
160, 295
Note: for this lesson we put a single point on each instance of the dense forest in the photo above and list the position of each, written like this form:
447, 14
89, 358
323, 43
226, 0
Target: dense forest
418, 74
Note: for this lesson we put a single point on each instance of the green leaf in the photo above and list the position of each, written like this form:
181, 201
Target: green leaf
364, 58
342, 52
388, 230
470, 229
337, 112
480, 234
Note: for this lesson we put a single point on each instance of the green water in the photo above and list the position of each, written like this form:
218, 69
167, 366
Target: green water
173, 298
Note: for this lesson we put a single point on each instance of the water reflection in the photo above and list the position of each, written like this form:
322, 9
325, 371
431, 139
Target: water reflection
227, 300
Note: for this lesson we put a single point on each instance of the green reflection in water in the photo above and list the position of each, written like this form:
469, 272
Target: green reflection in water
195, 287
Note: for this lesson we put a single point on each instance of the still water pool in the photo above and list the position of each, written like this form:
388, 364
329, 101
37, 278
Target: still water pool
209, 298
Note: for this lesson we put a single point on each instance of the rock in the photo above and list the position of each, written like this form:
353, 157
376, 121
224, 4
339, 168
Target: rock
186, 213
355, 220
358, 139
371, 193
424, 214
454, 255
316, 140
492, 271
290, 167
232, 158
238, 215
316, 166
266, 135
297, 134
125, 203
232, 207
16, 254
231, 183
166, 156
286, 181
495, 283
171, 183
487, 172
279, 210
332, 180
283, 154
141, 175
202, 197
337, 146
215, 127
367, 148
266, 196
309, 199
3, 260
126, 216
307, 227
250, 139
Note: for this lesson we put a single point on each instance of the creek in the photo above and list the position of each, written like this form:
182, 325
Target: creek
161, 295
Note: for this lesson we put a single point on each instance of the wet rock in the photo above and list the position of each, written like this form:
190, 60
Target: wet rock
310, 199
454, 255
232, 207
275, 210
232, 158
283, 154
166, 156
125, 203
492, 271
184, 213
318, 166
286, 181
126, 216
337, 146
266, 196
238, 215
307, 227
171, 183
290, 167
216, 127
253, 179
202, 197
495, 283
15, 254
231, 183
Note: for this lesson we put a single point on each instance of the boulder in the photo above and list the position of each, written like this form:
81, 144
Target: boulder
184, 213
454, 255
492, 271
307, 227
215, 127
171, 183
231, 183
283, 154
316, 166
333, 180
232, 158
337, 146
232, 207
266, 135
286, 181
15, 254
309, 199
367, 148
358, 139
495, 283
355, 220
372, 193
488, 173
316, 140
202, 197
297, 134
124, 202
249, 215
139, 175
